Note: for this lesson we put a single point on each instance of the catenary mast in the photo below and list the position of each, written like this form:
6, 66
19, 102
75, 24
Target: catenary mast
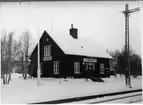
127, 45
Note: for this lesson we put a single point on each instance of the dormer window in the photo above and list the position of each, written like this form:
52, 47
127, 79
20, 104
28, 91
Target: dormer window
47, 50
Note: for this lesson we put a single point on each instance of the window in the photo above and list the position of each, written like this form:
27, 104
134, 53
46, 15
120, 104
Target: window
56, 67
90, 66
93, 66
101, 68
86, 66
47, 50
76, 67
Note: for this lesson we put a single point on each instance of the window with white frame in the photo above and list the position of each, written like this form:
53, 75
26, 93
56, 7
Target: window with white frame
101, 68
47, 50
76, 67
56, 67
93, 66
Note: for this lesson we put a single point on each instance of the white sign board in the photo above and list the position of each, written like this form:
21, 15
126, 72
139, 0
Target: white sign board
90, 60
47, 58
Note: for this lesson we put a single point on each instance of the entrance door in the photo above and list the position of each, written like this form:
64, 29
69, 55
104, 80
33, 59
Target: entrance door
90, 66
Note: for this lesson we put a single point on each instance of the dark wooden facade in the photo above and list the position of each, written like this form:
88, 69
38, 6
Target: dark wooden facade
66, 62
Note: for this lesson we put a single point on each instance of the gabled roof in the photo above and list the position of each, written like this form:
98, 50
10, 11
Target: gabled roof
82, 47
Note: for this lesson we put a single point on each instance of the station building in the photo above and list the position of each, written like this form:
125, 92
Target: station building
68, 56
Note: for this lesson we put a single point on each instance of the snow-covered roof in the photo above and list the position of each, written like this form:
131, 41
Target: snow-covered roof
82, 47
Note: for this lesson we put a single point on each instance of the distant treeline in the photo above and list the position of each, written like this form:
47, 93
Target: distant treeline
118, 62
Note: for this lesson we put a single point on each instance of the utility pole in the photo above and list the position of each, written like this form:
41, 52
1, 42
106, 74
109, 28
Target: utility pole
38, 54
38, 60
127, 47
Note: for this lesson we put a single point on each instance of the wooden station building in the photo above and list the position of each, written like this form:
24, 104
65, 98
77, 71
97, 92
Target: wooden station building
68, 56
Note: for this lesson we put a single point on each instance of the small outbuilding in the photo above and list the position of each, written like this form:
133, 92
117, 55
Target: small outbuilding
68, 56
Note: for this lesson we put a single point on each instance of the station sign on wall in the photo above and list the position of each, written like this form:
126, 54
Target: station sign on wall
90, 60
47, 58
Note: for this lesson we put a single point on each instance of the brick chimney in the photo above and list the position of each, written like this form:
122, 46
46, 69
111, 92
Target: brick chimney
73, 32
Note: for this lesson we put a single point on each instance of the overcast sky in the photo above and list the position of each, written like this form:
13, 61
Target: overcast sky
99, 21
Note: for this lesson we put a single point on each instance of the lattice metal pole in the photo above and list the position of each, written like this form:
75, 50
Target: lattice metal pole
127, 51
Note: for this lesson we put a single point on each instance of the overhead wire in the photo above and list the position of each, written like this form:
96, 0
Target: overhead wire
110, 6
126, 2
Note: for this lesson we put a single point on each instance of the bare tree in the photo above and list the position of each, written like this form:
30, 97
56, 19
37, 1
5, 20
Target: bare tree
9, 50
4, 56
25, 45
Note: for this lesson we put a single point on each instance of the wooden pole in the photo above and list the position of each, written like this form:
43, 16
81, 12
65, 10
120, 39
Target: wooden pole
38, 56
38, 63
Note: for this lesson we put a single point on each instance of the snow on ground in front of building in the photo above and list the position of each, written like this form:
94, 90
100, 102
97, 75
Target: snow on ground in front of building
26, 91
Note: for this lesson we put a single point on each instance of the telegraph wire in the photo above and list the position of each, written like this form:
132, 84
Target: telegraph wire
110, 6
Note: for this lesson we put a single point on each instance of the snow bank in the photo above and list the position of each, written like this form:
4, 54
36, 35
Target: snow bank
16, 76
21, 91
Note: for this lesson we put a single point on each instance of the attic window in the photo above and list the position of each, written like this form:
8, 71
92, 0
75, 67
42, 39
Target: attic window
47, 50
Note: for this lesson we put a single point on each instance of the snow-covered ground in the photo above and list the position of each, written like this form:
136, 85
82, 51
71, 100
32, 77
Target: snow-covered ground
21, 91
110, 99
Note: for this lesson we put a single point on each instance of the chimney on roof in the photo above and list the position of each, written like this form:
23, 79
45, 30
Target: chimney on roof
73, 32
